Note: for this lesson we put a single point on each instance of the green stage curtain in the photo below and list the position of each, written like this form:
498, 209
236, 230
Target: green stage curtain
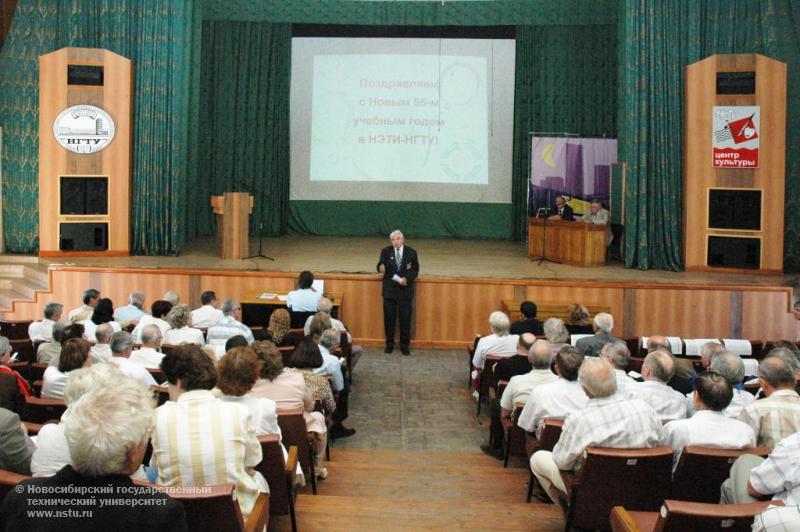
656, 36
416, 13
244, 132
158, 35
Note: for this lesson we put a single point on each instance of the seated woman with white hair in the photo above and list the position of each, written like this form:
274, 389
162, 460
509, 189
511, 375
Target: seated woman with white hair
107, 430
74, 355
181, 333
556, 334
52, 452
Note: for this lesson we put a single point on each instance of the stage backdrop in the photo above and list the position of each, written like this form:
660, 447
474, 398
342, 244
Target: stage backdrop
577, 168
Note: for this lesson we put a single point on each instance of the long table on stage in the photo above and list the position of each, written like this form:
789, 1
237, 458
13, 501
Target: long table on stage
257, 310
576, 243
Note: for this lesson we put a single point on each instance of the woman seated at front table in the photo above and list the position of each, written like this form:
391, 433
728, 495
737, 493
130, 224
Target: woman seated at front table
74, 355
200, 439
180, 333
305, 298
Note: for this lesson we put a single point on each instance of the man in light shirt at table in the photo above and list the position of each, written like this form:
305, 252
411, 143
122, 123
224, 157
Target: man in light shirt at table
207, 315
709, 426
597, 215
132, 312
657, 369
559, 398
148, 355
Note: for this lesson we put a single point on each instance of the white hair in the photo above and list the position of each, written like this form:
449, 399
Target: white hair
136, 299
499, 323
604, 321
330, 339
83, 380
395, 233
172, 297
597, 377
151, 334
105, 424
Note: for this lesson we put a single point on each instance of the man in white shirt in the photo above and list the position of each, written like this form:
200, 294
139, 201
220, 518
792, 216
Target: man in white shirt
709, 426
172, 297
520, 386
229, 325
777, 416
121, 347
133, 311
618, 355
657, 370
778, 477
101, 351
207, 315
43, 330
148, 355
709, 351
499, 343
559, 398
609, 420
731, 367
90, 298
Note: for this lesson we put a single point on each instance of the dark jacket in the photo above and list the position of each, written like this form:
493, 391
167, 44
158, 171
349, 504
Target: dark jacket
409, 268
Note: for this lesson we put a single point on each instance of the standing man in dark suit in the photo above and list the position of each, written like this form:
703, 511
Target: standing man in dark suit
561, 211
399, 265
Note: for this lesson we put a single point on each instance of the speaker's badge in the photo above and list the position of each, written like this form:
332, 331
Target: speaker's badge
84, 129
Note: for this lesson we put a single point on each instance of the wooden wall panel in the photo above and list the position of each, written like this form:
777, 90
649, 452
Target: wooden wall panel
450, 311
767, 316
686, 313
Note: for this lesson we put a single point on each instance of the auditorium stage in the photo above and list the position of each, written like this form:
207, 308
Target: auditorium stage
460, 284
493, 259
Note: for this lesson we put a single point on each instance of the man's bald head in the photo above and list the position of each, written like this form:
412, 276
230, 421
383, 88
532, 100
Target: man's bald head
525, 342
540, 355
597, 378
709, 351
658, 342
658, 365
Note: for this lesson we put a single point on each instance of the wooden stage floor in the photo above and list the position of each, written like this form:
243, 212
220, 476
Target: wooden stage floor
485, 259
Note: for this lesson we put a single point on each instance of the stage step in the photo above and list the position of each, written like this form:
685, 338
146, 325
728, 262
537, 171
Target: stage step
21, 277
407, 490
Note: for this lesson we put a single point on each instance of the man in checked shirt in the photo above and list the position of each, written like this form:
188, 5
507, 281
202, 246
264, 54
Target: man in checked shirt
609, 420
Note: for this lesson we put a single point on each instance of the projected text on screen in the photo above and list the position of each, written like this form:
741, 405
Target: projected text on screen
420, 118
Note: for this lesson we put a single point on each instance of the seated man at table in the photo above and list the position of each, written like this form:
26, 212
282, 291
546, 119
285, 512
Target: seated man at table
599, 216
561, 211
305, 298
609, 420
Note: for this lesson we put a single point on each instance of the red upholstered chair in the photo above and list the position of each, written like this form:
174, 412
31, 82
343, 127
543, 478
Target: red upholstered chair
637, 479
280, 475
293, 429
680, 516
40, 410
701, 471
551, 432
215, 508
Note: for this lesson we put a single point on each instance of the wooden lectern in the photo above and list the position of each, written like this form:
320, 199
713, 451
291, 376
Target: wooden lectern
232, 210
577, 243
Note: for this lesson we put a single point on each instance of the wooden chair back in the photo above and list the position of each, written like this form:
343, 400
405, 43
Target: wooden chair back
286, 354
551, 432
215, 508
40, 410
298, 318
701, 471
36, 371
677, 516
514, 442
162, 392
295, 336
167, 348
15, 329
25, 348
157, 374
634, 344
637, 479
295, 433
487, 379
280, 475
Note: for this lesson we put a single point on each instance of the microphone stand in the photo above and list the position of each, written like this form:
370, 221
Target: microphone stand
260, 253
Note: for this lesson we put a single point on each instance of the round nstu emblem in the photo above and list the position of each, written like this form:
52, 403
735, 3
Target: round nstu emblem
84, 129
